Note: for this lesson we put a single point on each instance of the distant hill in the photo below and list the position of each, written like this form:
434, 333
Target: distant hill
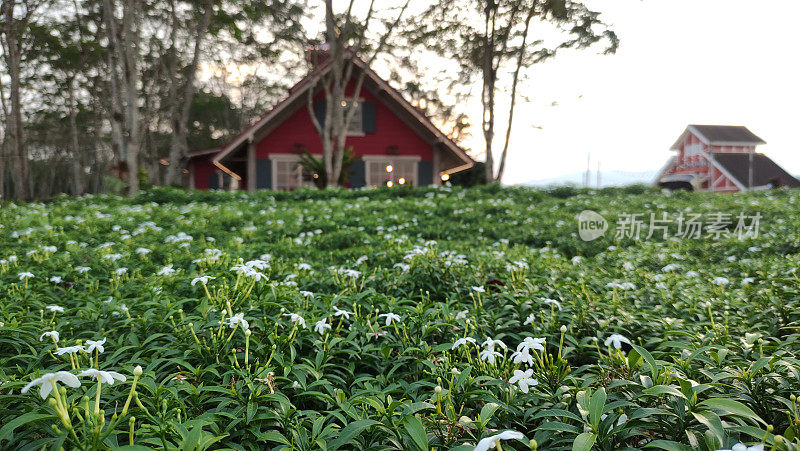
607, 178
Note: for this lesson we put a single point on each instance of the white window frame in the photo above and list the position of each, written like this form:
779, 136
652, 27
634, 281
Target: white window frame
285, 158
357, 118
393, 160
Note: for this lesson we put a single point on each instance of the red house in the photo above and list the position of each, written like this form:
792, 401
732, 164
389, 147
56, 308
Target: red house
721, 158
395, 143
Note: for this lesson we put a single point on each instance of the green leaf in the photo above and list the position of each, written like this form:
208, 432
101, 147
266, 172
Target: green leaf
30, 417
668, 445
596, 406
273, 436
417, 432
349, 432
584, 442
713, 422
663, 390
649, 359
732, 407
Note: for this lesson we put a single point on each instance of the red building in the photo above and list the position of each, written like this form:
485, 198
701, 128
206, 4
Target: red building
394, 143
721, 158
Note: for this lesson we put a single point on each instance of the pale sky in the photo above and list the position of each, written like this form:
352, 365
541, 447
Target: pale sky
727, 62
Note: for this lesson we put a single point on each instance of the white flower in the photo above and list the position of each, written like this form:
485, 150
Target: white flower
479, 289
82, 269
237, 319
616, 340
532, 343
53, 334
55, 308
70, 350
552, 302
166, 271
523, 356
121, 271
389, 317
56, 279
748, 280
47, 381
489, 355
720, 281
25, 275
308, 294
491, 442
523, 379
143, 251
489, 343
339, 312
106, 377
321, 325
202, 279
743, 447
92, 345
294, 317
462, 314
463, 342
303, 266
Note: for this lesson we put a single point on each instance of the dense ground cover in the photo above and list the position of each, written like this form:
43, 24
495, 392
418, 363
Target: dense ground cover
397, 319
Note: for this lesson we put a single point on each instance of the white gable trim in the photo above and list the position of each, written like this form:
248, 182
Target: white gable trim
727, 174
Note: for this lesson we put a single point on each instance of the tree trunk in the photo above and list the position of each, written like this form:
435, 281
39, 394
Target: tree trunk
77, 161
131, 49
14, 128
520, 60
487, 94
3, 140
178, 145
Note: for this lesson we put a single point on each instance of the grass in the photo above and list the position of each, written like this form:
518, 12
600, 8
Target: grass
367, 320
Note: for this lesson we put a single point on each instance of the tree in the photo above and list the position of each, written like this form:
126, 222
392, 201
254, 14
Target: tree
504, 38
345, 37
16, 17
182, 94
124, 39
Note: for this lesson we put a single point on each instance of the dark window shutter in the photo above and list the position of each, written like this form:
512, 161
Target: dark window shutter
358, 175
263, 174
213, 180
368, 117
425, 173
319, 111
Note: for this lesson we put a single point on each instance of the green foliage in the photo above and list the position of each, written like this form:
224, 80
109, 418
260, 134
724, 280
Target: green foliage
398, 289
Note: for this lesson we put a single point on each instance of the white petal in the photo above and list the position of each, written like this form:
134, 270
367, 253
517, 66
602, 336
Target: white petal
45, 389
68, 379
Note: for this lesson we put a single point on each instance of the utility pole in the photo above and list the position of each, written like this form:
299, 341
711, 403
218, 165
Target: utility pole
588, 175
598, 175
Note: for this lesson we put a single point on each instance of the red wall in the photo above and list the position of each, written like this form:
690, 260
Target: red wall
203, 168
389, 131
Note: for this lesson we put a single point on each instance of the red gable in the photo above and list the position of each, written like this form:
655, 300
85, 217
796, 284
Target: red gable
394, 143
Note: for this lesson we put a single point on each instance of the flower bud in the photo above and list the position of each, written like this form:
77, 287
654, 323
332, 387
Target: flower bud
563, 329
138, 370
438, 389
247, 332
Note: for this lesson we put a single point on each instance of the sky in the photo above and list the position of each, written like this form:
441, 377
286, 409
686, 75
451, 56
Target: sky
680, 62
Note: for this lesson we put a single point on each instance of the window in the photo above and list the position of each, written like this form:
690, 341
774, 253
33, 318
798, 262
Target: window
288, 174
356, 125
391, 171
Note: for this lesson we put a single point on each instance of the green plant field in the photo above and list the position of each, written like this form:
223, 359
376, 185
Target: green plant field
397, 319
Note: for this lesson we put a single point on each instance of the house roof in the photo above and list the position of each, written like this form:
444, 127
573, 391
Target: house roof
720, 135
765, 171
296, 99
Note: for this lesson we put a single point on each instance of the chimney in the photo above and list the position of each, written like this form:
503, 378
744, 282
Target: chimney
318, 54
